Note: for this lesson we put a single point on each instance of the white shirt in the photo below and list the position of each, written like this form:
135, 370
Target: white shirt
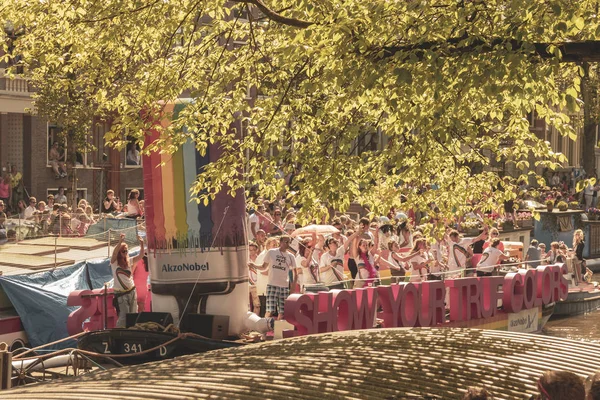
123, 278
28, 213
337, 261
280, 263
456, 253
261, 278
252, 219
60, 199
415, 274
309, 272
489, 258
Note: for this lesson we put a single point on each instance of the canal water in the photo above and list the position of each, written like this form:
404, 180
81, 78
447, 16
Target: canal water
581, 327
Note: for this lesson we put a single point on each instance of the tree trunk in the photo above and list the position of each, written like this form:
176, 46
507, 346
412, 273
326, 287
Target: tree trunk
71, 170
589, 125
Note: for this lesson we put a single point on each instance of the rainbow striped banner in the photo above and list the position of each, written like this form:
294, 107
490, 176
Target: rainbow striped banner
174, 221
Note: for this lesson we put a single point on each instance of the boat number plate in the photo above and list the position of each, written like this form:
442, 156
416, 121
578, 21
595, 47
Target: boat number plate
132, 347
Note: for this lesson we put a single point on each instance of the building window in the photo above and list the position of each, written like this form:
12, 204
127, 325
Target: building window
54, 136
133, 157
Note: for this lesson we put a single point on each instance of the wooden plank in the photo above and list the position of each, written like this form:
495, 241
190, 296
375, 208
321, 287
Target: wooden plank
33, 262
74, 243
31, 250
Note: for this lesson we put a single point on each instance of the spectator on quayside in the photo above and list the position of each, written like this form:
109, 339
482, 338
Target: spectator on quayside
490, 259
533, 254
133, 205
560, 385
3, 230
494, 233
123, 268
2, 206
21, 206
57, 161
458, 252
5, 188
279, 262
110, 204
75, 220
41, 206
477, 393
50, 204
82, 204
89, 212
592, 387
60, 198
17, 188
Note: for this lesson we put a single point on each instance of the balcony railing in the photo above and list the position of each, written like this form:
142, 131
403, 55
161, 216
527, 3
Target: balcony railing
17, 86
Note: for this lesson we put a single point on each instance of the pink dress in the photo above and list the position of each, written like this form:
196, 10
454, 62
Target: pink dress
4, 189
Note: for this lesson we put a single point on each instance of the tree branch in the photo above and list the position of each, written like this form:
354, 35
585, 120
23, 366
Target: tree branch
274, 16
571, 51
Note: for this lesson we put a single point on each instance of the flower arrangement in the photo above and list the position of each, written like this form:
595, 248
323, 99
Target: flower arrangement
549, 202
470, 226
562, 206
593, 211
523, 215
574, 205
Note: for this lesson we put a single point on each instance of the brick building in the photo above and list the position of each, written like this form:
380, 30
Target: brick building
25, 141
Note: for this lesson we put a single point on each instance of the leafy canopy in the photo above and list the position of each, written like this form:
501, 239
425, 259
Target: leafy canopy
449, 83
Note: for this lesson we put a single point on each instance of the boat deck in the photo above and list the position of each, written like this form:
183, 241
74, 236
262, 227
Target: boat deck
38, 255
367, 364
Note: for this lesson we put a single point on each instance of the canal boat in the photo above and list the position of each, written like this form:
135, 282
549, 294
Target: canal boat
134, 346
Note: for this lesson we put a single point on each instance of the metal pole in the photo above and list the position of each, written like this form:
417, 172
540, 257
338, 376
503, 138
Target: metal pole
55, 249
108, 244
105, 306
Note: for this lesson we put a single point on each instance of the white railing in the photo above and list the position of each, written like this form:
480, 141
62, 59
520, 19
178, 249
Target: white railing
16, 85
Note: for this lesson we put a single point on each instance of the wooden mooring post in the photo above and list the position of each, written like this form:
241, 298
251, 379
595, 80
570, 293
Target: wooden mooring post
5, 367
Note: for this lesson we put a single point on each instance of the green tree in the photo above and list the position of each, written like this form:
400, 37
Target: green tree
448, 82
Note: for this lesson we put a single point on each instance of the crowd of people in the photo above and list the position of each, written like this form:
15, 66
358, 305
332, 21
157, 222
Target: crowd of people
352, 254
54, 217
552, 385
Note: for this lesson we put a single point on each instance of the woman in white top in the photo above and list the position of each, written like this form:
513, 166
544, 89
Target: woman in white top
133, 206
307, 269
490, 259
419, 264
365, 256
331, 264
395, 262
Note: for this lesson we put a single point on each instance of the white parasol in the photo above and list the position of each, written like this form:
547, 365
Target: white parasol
318, 229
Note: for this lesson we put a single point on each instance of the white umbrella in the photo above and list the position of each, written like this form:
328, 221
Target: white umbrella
318, 229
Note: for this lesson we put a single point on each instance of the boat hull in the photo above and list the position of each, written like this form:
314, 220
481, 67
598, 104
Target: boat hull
134, 343
526, 321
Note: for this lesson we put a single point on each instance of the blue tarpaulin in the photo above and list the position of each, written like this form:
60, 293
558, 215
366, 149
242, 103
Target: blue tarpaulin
41, 299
